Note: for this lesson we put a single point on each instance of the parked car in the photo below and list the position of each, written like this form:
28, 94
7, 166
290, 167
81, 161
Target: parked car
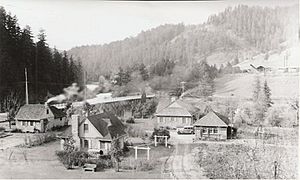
185, 130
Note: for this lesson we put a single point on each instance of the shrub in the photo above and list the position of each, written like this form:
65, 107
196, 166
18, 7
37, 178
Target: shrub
39, 139
130, 120
70, 159
135, 132
16, 131
144, 165
160, 132
2, 129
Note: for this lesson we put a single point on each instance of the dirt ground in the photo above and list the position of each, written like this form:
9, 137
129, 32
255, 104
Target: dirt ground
41, 162
14, 140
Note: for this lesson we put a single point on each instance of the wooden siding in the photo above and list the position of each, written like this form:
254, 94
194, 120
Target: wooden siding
207, 133
173, 121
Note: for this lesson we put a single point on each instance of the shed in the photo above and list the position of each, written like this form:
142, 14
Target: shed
211, 126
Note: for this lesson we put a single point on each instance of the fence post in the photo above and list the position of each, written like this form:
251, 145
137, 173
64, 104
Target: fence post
148, 153
166, 141
135, 148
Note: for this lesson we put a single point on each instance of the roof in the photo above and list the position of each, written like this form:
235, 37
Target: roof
4, 116
67, 133
58, 113
163, 103
108, 125
102, 100
212, 119
32, 112
175, 109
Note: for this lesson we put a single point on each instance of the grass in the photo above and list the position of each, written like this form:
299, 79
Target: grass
42, 163
241, 85
273, 135
224, 161
158, 155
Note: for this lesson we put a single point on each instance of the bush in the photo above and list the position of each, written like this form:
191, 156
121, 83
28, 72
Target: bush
79, 158
130, 120
160, 132
16, 131
70, 159
144, 165
135, 132
2, 129
39, 139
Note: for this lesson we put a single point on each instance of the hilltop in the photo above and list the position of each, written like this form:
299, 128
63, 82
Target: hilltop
239, 33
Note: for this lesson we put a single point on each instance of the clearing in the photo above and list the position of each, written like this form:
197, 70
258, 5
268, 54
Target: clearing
283, 86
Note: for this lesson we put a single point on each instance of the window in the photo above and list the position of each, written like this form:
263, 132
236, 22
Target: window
209, 130
215, 130
60, 119
183, 120
172, 119
47, 111
204, 130
86, 128
161, 119
31, 123
86, 143
23, 123
102, 145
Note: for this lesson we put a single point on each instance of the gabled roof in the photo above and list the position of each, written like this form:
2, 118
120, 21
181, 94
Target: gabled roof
108, 125
58, 113
174, 110
33, 112
212, 119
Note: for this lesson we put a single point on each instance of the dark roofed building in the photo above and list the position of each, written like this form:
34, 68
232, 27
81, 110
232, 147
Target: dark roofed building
38, 117
211, 126
95, 133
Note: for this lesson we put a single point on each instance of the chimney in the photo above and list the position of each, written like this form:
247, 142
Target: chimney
46, 108
75, 129
173, 98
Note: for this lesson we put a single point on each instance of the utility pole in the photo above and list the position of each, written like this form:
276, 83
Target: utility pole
26, 87
36, 74
84, 83
182, 87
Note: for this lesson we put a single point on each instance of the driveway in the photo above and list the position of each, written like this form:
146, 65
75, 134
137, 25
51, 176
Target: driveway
182, 162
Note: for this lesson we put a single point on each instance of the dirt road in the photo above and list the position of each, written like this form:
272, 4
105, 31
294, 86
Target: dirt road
182, 163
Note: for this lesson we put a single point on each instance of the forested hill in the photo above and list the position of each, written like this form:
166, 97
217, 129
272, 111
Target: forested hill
239, 32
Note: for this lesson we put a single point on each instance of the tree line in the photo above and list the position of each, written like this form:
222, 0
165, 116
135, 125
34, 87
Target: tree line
48, 70
239, 33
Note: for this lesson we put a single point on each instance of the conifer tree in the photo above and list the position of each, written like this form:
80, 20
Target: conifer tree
257, 89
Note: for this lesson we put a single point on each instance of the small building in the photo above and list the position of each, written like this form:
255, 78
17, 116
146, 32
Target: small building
95, 133
177, 113
5, 123
39, 118
212, 126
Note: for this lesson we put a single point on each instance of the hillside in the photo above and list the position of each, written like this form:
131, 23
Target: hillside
241, 32
289, 58
283, 86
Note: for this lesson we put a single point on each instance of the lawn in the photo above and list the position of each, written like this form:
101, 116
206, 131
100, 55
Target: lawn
40, 162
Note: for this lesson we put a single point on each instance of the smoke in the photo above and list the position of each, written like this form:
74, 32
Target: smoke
71, 93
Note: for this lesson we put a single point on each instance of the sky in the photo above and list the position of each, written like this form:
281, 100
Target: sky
70, 23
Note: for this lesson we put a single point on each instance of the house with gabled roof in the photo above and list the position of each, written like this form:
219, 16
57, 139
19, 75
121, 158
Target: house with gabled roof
211, 126
39, 118
176, 113
95, 133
